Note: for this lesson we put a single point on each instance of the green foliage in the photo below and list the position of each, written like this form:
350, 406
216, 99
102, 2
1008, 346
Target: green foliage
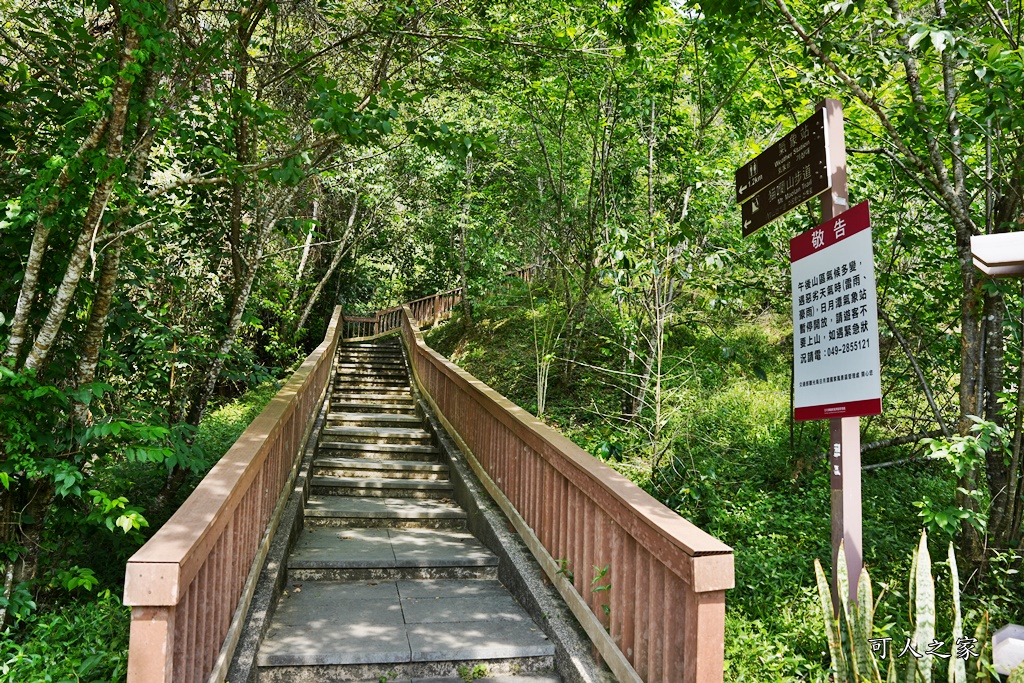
83, 642
849, 632
470, 674
966, 454
731, 469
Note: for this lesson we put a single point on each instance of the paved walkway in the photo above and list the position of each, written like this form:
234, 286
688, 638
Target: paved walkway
385, 583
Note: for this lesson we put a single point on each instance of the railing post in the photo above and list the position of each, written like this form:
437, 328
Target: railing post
376, 323
437, 308
151, 645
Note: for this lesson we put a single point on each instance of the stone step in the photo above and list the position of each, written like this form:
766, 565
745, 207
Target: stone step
388, 554
389, 469
391, 513
381, 487
369, 345
379, 451
515, 677
373, 393
373, 362
367, 419
381, 435
372, 378
385, 368
369, 374
402, 394
377, 366
413, 628
396, 408
388, 354
372, 382
508, 670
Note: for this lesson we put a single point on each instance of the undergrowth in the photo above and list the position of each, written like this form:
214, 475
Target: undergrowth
731, 464
81, 636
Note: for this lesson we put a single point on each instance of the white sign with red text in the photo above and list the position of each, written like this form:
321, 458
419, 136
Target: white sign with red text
836, 371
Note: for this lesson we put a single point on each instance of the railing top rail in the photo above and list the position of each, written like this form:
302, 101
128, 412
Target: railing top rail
679, 531
160, 571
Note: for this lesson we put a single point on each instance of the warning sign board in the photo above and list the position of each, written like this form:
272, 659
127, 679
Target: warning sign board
836, 370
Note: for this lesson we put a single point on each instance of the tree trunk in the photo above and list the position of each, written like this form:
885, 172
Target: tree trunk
93, 224
19, 323
198, 407
343, 248
92, 343
971, 543
467, 310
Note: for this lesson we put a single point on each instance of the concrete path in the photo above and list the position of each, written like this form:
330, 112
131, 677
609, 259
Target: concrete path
384, 582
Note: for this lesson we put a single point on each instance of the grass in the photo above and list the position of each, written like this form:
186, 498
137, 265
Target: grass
729, 465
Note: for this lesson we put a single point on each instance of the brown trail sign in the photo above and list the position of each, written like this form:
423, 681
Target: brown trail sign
785, 175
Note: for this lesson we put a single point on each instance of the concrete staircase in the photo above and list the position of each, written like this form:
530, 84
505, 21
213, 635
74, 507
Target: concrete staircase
385, 583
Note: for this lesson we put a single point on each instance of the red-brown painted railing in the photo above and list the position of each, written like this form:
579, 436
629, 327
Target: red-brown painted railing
430, 309
190, 585
666, 578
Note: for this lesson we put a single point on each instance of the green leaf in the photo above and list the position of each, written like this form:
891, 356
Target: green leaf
917, 38
924, 607
835, 646
957, 667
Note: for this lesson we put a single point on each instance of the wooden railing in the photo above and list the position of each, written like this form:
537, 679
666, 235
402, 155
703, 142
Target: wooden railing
430, 309
647, 585
190, 585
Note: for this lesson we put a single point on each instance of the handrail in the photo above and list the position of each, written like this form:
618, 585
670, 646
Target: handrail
190, 585
428, 309
662, 616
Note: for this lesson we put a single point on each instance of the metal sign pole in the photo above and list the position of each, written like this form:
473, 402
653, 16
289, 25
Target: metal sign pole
844, 447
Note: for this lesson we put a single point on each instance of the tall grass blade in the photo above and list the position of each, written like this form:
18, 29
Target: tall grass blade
835, 642
957, 668
911, 594
924, 602
843, 579
860, 631
979, 669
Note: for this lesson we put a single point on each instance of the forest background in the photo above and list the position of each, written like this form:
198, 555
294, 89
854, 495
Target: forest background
189, 187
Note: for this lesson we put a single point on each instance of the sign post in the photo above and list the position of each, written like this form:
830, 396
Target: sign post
836, 372
844, 432
837, 376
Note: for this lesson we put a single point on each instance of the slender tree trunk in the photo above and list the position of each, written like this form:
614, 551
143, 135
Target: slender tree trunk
19, 323
467, 310
93, 224
339, 253
198, 408
971, 374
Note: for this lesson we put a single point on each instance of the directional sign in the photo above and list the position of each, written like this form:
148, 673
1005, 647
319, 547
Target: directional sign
835, 319
785, 175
